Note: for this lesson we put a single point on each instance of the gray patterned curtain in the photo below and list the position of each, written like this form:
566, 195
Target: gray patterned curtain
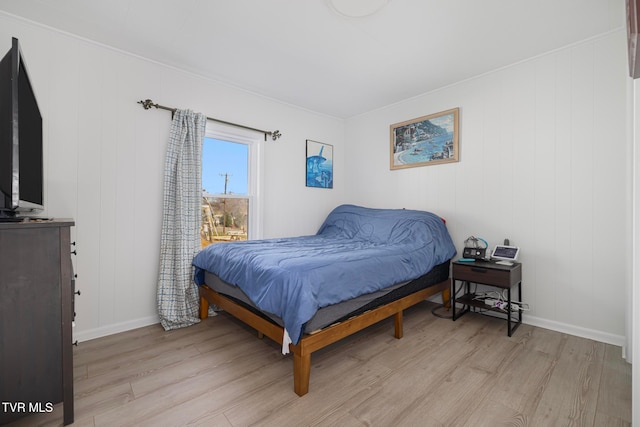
180, 241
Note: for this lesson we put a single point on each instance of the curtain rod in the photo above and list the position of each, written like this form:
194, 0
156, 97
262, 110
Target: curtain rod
147, 104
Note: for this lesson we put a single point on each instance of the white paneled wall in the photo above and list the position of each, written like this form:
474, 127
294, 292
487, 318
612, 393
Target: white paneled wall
104, 160
544, 161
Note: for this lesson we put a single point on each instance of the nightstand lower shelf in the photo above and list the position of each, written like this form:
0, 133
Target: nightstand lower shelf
489, 274
471, 303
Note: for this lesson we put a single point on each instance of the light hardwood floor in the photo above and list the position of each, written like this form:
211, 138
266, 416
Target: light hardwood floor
442, 373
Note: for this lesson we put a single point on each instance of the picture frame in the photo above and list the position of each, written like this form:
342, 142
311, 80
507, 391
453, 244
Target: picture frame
319, 168
425, 141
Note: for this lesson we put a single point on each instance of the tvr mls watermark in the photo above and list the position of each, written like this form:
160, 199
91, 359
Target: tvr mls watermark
26, 407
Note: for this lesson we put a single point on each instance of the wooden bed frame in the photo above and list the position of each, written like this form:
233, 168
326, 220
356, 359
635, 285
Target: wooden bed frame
309, 343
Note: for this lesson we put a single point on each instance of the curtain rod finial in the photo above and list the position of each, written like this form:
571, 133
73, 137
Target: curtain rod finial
275, 135
147, 104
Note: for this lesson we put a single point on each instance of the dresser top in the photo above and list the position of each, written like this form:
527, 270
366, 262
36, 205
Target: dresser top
37, 223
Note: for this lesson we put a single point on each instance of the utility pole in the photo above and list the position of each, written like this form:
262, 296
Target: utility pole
224, 203
226, 180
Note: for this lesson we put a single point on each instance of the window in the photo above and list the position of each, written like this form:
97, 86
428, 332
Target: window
230, 204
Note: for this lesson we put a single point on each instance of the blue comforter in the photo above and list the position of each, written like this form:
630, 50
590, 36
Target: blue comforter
356, 251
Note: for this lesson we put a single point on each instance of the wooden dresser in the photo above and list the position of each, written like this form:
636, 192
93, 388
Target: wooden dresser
36, 314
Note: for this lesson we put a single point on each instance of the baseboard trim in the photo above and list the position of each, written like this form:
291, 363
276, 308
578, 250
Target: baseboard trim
578, 331
115, 328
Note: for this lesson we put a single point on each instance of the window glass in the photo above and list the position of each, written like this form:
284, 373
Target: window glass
225, 193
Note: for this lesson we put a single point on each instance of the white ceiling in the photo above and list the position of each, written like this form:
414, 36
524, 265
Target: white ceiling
303, 53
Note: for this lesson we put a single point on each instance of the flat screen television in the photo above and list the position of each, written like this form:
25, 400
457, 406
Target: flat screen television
21, 176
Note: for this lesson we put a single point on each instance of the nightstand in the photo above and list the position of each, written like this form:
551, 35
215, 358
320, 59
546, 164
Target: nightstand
491, 274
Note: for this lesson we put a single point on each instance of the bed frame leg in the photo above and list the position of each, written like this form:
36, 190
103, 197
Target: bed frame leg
397, 320
204, 308
301, 373
446, 298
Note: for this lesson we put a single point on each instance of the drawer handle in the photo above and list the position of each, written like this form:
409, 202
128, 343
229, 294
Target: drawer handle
479, 270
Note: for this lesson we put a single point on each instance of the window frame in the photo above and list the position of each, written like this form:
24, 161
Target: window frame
255, 143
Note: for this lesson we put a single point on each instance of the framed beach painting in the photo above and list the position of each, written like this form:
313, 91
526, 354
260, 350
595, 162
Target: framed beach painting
319, 165
427, 140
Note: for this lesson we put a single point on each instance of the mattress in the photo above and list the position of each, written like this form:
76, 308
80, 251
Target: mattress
335, 313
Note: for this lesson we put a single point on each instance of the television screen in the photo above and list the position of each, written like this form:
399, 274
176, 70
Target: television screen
21, 163
30, 136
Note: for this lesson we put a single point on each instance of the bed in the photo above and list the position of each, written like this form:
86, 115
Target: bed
362, 266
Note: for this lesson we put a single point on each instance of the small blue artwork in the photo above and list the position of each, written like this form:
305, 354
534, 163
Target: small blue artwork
319, 164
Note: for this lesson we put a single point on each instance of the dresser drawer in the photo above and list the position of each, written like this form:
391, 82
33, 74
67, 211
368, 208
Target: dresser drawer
486, 273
